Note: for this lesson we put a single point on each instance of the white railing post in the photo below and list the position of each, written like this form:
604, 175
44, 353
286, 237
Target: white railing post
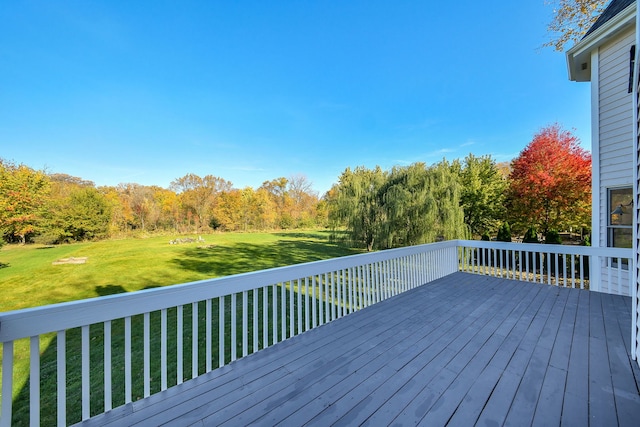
283, 312
222, 329
86, 390
147, 354
34, 380
179, 349
234, 328
292, 317
245, 326
595, 275
163, 349
299, 303
62, 378
208, 336
7, 384
107, 366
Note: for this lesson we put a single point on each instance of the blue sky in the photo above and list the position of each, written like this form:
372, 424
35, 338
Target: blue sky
146, 92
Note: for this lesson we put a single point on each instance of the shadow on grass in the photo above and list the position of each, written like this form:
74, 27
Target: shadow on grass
278, 329
213, 261
221, 261
4, 265
110, 290
315, 235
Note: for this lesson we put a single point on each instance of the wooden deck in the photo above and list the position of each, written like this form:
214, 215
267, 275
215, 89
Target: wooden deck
462, 350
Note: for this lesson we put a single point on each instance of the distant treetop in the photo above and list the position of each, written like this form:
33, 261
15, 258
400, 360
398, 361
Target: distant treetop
573, 19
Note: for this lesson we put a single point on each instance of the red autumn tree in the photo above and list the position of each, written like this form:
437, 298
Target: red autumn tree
550, 182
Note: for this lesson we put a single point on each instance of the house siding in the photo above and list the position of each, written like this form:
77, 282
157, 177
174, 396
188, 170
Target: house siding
615, 121
614, 282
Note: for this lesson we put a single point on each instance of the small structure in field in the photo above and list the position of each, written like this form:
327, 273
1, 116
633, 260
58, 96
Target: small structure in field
71, 260
185, 240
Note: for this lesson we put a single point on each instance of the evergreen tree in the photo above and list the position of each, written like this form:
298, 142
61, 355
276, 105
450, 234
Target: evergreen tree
531, 236
504, 233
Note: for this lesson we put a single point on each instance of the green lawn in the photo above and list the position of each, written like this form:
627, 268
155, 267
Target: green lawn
28, 278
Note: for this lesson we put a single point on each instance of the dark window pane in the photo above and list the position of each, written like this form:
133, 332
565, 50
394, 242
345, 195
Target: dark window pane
621, 210
621, 237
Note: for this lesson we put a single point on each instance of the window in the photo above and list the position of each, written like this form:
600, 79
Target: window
619, 232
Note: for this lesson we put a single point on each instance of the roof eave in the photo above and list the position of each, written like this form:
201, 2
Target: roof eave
579, 56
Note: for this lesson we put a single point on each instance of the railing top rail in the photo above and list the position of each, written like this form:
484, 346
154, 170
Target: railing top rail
33, 321
38, 320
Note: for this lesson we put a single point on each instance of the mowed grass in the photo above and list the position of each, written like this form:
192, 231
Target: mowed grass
29, 278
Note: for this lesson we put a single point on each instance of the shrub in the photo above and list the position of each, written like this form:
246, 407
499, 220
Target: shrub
533, 260
555, 263
485, 237
553, 238
531, 236
47, 238
215, 223
504, 233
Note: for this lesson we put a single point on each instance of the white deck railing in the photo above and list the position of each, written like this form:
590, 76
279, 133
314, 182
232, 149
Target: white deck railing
86, 357
596, 269
101, 353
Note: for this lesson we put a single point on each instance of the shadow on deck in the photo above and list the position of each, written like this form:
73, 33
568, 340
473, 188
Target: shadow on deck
461, 350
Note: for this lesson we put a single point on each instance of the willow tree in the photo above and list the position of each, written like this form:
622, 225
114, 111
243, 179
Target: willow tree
446, 193
421, 205
406, 206
355, 204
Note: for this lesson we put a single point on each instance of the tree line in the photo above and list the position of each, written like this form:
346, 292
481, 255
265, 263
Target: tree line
546, 188
57, 208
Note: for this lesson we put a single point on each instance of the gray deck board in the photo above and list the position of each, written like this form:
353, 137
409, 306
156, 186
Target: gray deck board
463, 350
548, 411
575, 408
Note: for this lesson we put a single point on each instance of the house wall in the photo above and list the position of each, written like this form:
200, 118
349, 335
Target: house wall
614, 280
615, 123
612, 136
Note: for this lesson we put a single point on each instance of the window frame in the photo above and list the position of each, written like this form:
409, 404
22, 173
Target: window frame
611, 207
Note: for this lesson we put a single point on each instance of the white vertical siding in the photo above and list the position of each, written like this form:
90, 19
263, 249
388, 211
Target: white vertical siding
596, 201
615, 120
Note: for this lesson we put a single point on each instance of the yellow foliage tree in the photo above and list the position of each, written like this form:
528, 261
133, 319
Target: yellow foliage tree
572, 19
23, 197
